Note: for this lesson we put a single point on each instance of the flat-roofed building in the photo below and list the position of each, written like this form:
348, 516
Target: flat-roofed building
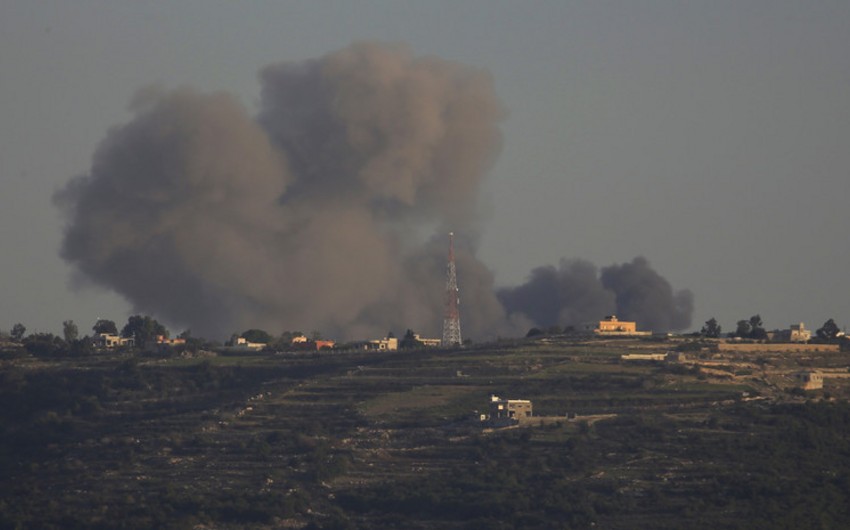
611, 326
794, 333
809, 380
508, 411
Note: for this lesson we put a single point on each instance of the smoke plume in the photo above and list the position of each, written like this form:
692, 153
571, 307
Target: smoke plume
318, 212
307, 216
575, 293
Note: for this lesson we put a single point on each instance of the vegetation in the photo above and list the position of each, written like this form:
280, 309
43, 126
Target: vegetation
143, 329
105, 326
751, 329
829, 331
392, 440
712, 329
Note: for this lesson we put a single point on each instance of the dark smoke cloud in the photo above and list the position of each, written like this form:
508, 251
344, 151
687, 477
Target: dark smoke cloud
319, 212
575, 293
646, 297
305, 217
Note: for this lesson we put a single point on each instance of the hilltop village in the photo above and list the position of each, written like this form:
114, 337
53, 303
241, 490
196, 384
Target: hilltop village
604, 425
143, 334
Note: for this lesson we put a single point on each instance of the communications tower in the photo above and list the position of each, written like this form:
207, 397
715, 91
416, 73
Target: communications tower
451, 318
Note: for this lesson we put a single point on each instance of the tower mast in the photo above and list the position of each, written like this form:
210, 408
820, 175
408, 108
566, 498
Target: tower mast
451, 318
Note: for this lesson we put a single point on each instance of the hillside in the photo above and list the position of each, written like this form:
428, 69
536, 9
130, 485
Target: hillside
393, 440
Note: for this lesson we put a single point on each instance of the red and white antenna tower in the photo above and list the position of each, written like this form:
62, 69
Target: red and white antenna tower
451, 319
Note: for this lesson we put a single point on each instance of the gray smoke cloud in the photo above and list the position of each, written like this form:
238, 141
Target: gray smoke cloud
645, 296
307, 216
576, 293
328, 210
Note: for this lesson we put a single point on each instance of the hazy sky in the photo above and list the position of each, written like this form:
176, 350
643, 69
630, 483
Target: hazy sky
712, 137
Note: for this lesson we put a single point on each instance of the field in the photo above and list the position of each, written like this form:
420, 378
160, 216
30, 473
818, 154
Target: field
393, 440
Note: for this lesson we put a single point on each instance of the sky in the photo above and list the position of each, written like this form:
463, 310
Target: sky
710, 138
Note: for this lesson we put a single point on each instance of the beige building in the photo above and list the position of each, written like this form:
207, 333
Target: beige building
794, 333
385, 344
809, 380
110, 340
505, 412
611, 326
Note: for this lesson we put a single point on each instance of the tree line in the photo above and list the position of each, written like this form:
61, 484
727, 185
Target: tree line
753, 328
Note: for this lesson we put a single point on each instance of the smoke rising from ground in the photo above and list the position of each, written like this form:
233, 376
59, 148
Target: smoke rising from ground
305, 217
311, 214
575, 293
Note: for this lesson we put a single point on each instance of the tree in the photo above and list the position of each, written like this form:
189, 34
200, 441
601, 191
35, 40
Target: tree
711, 329
257, 335
45, 345
105, 326
18, 332
757, 328
70, 331
81, 347
410, 340
829, 330
744, 329
143, 329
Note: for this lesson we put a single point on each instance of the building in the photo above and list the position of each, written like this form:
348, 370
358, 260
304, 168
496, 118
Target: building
110, 340
414, 340
162, 343
504, 412
303, 343
385, 344
241, 344
809, 380
794, 333
610, 326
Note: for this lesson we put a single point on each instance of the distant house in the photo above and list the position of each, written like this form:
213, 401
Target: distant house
794, 333
385, 344
414, 340
163, 343
611, 326
505, 412
303, 343
241, 344
110, 340
809, 380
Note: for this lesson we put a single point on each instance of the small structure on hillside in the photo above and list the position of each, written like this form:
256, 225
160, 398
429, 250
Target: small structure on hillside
794, 333
611, 326
163, 344
809, 380
111, 340
385, 344
506, 412
414, 340
670, 357
241, 344
303, 343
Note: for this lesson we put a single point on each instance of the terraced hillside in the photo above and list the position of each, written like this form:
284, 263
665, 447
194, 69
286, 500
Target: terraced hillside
392, 440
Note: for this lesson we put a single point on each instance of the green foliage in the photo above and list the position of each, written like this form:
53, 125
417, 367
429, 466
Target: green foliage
534, 332
829, 331
18, 332
257, 335
105, 326
753, 328
143, 329
711, 329
45, 345
70, 331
